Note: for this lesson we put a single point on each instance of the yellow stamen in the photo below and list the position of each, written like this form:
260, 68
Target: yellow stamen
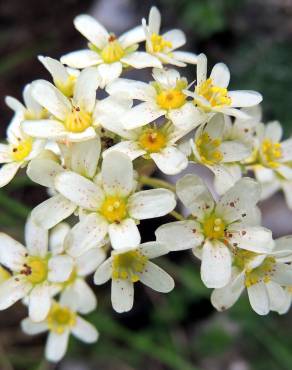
271, 152
114, 209
67, 88
208, 149
22, 149
262, 273
159, 44
60, 318
216, 96
214, 227
128, 266
171, 99
113, 51
35, 270
152, 140
4, 275
78, 120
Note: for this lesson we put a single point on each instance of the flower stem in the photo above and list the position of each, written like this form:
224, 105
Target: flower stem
177, 216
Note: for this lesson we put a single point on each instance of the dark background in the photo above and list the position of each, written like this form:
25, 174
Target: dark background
179, 331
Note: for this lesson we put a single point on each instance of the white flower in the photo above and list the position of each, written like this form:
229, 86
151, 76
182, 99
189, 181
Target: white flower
35, 270
64, 78
215, 230
61, 321
264, 277
79, 157
72, 119
272, 167
128, 266
211, 94
109, 53
162, 97
86, 252
221, 156
153, 142
112, 202
164, 46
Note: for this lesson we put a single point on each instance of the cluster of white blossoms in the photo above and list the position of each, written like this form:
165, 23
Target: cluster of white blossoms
95, 156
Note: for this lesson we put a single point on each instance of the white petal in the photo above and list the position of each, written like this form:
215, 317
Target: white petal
141, 114
131, 89
287, 189
52, 211
226, 175
201, 69
32, 328
283, 274
57, 238
79, 190
153, 249
274, 131
176, 37
109, 72
60, 268
131, 37
237, 113
258, 298
244, 98
5, 153
7, 172
56, 69
180, 235
117, 174
140, 59
84, 331
48, 96
169, 59
44, 129
103, 272
85, 89
14, 104
85, 157
122, 295
234, 151
220, 75
39, 302
195, 195
187, 117
224, 298
154, 20
12, 290
185, 56
253, 238
156, 278
12, 253
56, 346
130, 148
81, 59
83, 295
277, 296
216, 265
170, 160
239, 199
90, 28
124, 235
86, 234
43, 171
151, 203
88, 262
36, 239
29, 100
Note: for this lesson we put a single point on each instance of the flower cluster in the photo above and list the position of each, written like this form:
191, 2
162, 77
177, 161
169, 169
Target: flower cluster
96, 155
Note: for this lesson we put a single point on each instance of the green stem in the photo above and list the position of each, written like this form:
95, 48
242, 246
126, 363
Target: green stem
177, 215
13, 207
156, 183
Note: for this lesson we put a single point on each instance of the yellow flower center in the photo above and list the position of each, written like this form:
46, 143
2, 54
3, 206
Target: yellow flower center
113, 51
35, 270
128, 266
114, 209
78, 120
208, 148
216, 96
171, 99
66, 88
214, 227
272, 152
152, 140
262, 273
4, 275
159, 44
22, 150
60, 318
